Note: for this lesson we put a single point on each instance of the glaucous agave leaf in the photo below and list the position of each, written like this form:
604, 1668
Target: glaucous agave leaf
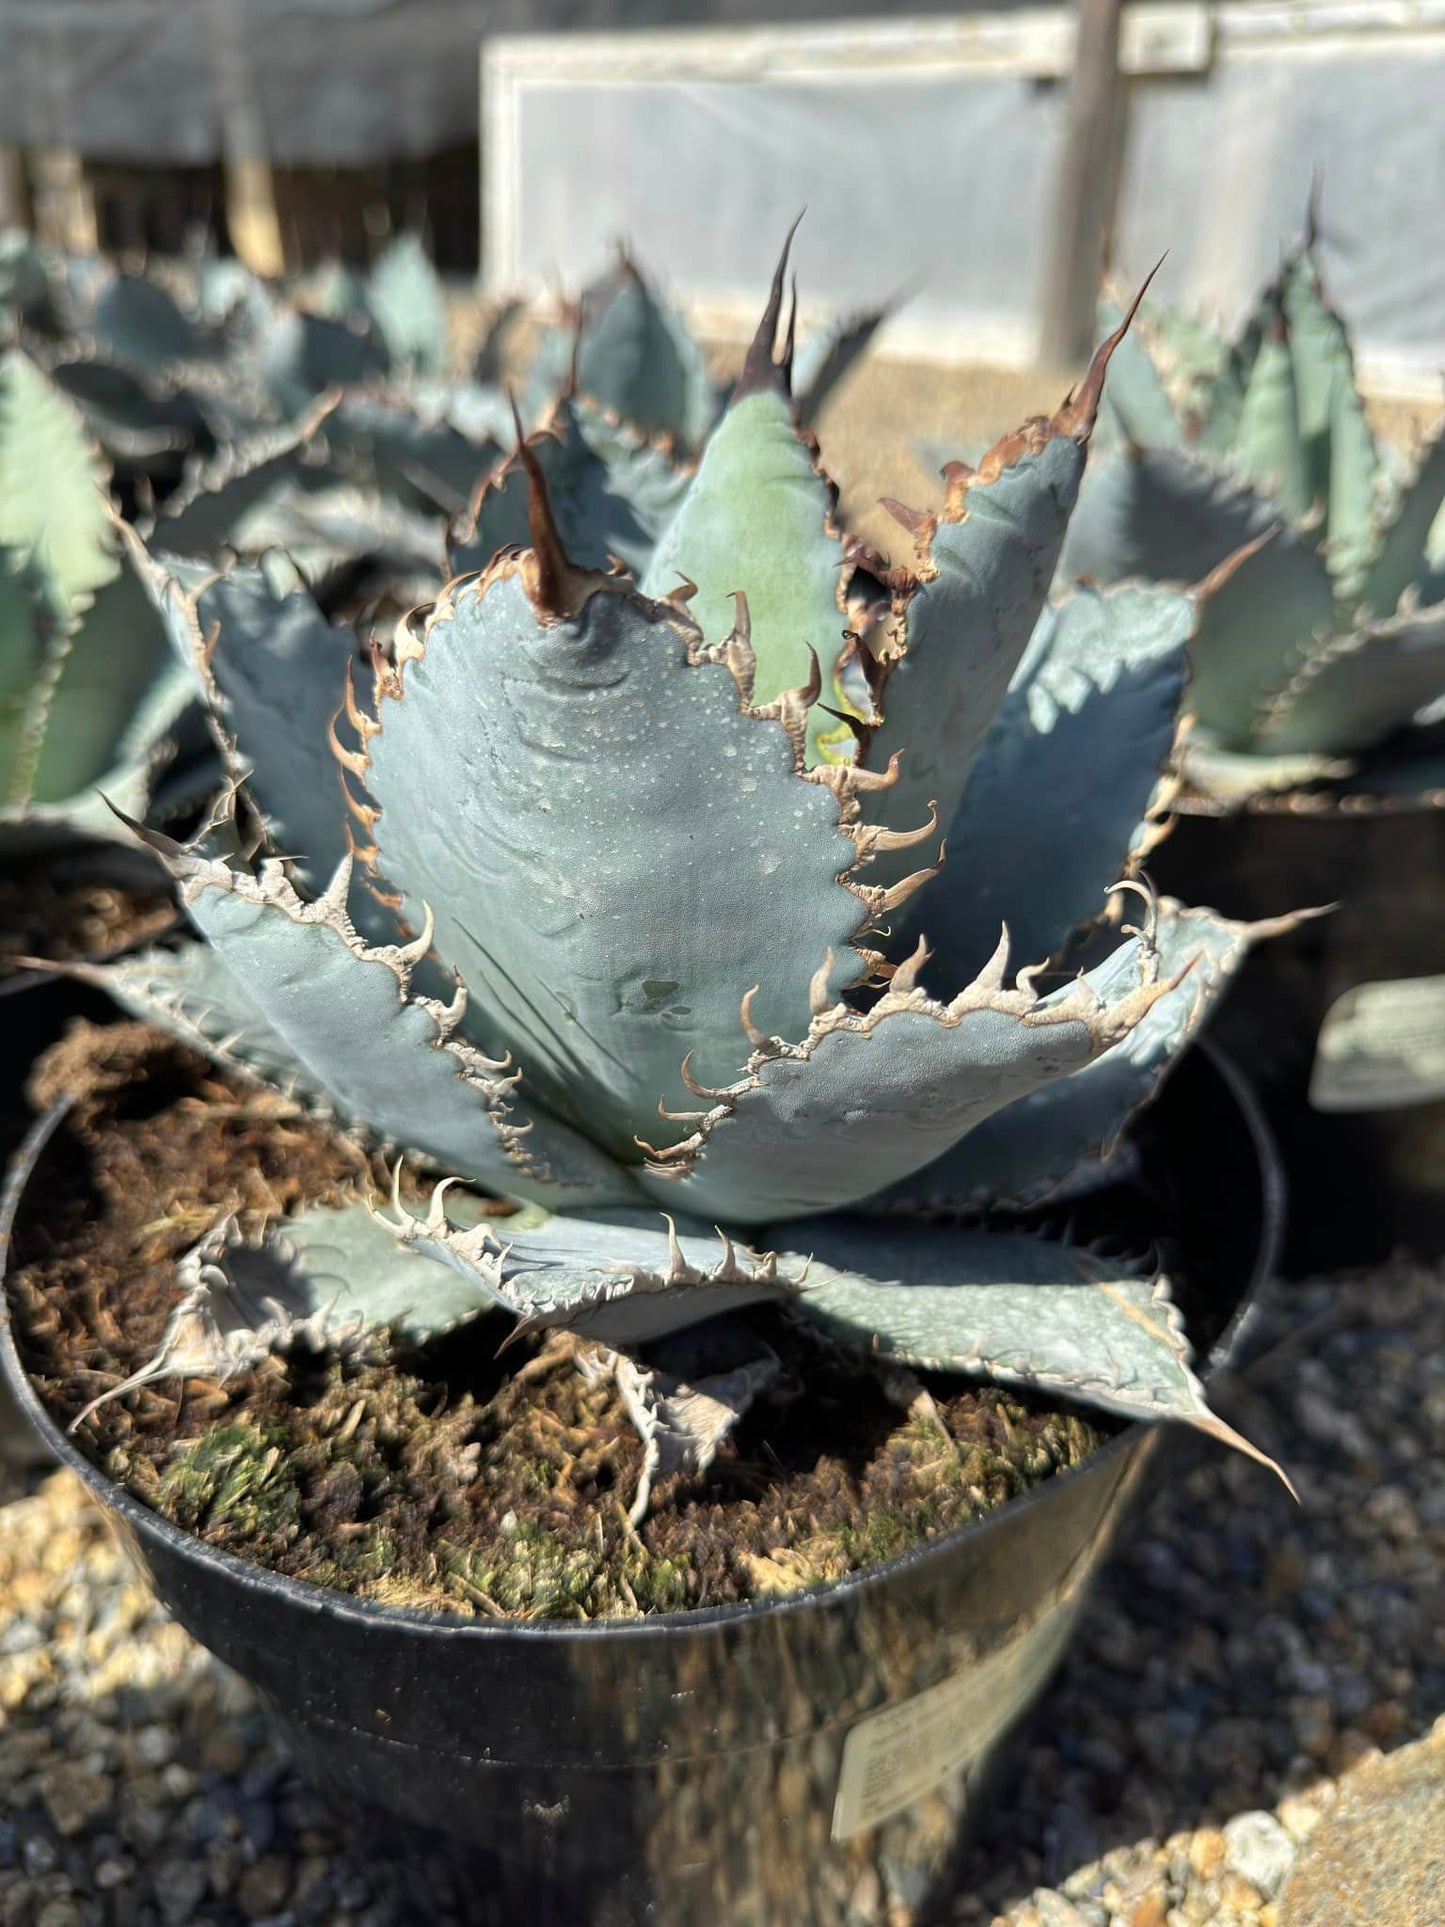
306, 354
83, 651
574, 784
1352, 690
140, 419
418, 458
1046, 824
612, 493
867, 1099
623, 1278
630, 352
963, 618
1046, 1144
209, 509
388, 1060
759, 517
1400, 559
1002, 1305
273, 673
1171, 515
140, 323
327, 529
1269, 448
405, 297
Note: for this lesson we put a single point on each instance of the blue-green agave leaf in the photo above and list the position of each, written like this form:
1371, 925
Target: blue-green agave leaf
1269, 445
141, 419
982, 567
326, 529
329, 1280
188, 992
1046, 823
621, 1278
1400, 559
136, 320
1359, 687
54, 511
1231, 777
1135, 398
616, 850
634, 356
418, 456
1001, 1305
274, 674
405, 295
759, 519
388, 1060
305, 354
1340, 453
1173, 516
210, 508
611, 495
867, 1099
1059, 1138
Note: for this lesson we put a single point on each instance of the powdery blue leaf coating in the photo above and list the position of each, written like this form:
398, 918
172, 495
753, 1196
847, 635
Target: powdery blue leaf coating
386, 1059
758, 519
1055, 1138
1357, 688
1401, 558
865, 1101
611, 492
1047, 822
826, 358
614, 851
984, 566
405, 296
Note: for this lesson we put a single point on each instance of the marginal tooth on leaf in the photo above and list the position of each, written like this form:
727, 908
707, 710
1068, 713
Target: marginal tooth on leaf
682, 594
991, 977
451, 1013
408, 642
920, 523
760, 371
365, 726
396, 1189
332, 901
367, 814
436, 1216
870, 839
1078, 413
676, 1263
958, 474
1144, 890
1028, 977
1222, 571
411, 954
880, 902
759, 1039
728, 1267
877, 779
698, 1090
350, 759
679, 1117
820, 996
905, 976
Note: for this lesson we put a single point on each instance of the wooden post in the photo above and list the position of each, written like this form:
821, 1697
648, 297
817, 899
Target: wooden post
14, 196
1084, 197
64, 204
251, 217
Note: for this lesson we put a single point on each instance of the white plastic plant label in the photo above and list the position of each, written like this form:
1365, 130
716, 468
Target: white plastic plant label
897, 1756
1382, 1046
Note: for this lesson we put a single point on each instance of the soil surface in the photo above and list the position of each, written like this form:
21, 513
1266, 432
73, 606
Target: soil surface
446, 1477
61, 913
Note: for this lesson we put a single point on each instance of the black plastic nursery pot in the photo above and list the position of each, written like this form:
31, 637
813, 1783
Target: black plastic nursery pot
1340, 1022
811, 1761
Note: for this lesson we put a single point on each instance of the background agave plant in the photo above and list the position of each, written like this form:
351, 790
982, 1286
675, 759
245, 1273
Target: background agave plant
628, 350
594, 903
90, 694
1332, 639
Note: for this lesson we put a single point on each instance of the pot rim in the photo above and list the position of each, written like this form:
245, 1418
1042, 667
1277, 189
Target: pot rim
1331, 803
141, 1519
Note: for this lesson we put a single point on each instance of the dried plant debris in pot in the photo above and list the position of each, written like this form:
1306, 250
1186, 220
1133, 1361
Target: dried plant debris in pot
71, 912
449, 1477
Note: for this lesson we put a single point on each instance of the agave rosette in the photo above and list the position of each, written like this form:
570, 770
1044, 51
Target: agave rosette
1331, 641
620, 892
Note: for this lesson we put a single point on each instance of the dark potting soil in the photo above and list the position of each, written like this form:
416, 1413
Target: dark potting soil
59, 913
448, 1478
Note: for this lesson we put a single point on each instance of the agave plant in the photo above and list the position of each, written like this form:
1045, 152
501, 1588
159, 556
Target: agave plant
1332, 639
586, 904
630, 352
91, 696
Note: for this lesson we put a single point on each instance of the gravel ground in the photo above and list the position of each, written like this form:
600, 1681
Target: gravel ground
1241, 1655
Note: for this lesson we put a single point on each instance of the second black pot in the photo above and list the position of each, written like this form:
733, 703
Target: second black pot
1361, 1124
812, 1761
